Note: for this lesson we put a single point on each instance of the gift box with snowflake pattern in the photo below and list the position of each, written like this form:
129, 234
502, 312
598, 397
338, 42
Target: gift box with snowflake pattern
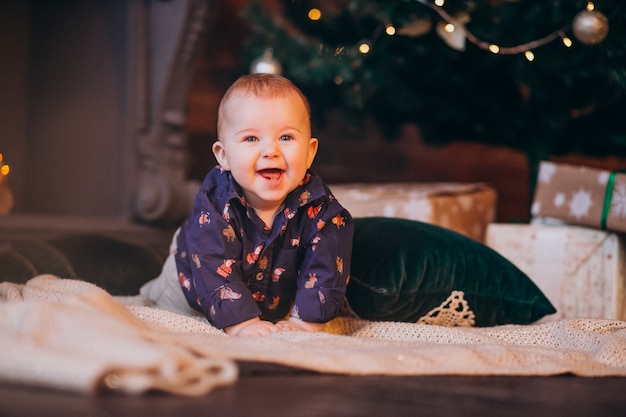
580, 269
581, 195
466, 208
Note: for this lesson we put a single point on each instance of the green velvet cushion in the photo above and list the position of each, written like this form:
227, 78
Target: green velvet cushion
402, 269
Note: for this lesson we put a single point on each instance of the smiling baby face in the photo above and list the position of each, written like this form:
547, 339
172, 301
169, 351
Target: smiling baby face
265, 142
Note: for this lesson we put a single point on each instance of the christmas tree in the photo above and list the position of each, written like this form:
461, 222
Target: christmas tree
546, 77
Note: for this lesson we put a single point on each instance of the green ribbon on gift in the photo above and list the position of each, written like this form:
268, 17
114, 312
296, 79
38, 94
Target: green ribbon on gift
608, 196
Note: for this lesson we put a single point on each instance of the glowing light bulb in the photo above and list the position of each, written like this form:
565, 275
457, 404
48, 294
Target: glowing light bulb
390, 30
4, 170
449, 28
567, 42
494, 48
439, 2
364, 48
315, 14
529, 55
590, 6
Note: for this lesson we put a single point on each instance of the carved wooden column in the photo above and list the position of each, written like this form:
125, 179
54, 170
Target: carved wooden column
174, 33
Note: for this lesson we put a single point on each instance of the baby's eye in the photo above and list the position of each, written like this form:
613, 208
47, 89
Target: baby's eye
250, 139
286, 137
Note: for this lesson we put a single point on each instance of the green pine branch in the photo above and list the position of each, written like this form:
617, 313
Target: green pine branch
567, 100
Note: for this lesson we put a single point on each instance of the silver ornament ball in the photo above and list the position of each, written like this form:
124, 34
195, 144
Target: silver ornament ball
590, 27
266, 64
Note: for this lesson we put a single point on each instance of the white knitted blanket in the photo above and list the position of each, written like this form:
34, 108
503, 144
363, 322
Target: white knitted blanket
72, 335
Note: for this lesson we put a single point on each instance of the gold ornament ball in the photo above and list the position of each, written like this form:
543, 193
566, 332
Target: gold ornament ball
590, 27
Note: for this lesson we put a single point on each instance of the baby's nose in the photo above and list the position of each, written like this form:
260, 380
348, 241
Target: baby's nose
270, 148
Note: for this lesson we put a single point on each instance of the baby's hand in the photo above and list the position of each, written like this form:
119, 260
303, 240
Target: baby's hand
252, 327
294, 324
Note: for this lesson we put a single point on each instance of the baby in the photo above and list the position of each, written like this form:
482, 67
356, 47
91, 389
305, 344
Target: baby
267, 247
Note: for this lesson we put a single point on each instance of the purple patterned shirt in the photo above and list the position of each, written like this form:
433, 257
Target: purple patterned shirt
233, 268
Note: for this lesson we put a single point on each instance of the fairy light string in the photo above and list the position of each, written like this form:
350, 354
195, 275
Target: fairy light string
453, 24
493, 47
452, 30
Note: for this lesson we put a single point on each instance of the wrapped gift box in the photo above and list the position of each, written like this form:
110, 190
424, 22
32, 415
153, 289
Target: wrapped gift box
576, 195
462, 207
579, 269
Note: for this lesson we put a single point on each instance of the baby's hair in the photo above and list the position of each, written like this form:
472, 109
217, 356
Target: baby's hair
263, 86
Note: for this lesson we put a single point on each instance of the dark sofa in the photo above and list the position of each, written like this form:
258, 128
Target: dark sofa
118, 265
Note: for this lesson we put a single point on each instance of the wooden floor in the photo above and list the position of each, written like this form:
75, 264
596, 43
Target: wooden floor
268, 390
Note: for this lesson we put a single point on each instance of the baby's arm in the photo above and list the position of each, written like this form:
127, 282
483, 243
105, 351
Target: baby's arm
323, 273
252, 327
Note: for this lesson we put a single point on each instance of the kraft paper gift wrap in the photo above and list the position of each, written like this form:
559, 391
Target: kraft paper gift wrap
580, 269
466, 208
581, 195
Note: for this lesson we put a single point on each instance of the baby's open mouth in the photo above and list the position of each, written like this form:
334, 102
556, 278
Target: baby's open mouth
271, 174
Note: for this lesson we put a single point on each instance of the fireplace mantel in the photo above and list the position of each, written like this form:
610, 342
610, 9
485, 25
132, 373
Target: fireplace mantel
172, 34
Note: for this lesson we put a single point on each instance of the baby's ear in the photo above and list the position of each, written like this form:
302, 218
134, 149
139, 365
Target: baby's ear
220, 155
313, 145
